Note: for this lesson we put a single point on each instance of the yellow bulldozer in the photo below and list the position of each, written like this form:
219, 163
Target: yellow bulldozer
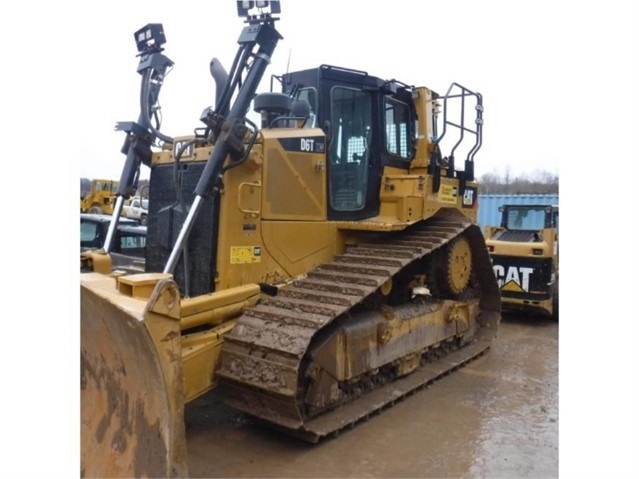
524, 250
317, 267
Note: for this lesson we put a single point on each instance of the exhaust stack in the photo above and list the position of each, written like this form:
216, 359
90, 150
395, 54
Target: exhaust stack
220, 76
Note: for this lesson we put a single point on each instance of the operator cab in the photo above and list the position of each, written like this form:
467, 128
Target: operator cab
369, 123
525, 222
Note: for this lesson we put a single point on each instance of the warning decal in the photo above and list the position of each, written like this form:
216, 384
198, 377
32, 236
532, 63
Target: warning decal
513, 287
448, 194
246, 254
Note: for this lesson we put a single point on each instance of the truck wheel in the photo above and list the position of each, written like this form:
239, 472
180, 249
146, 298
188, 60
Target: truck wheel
143, 220
96, 210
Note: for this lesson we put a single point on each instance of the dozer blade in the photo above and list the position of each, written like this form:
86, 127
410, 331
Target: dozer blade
132, 408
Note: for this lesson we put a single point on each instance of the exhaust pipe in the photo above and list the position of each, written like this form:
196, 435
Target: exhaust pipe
220, 76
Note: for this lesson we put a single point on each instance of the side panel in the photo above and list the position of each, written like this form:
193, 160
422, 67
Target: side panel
294, 175
408, 198
273, 211
299, 246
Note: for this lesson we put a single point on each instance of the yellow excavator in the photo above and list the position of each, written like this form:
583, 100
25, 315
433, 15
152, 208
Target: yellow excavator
317, 267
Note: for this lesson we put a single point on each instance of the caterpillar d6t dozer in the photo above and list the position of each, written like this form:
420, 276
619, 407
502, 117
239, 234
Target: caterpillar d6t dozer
317, 267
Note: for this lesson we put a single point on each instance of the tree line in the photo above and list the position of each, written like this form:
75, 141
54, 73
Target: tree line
539, 183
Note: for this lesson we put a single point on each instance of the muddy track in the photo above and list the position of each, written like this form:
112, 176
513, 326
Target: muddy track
263, 355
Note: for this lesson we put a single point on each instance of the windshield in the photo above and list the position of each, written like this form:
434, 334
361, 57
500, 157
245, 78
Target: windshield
525, 218
89, 234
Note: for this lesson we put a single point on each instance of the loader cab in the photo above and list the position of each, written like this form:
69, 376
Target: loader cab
369, 123
527, 223
529, 217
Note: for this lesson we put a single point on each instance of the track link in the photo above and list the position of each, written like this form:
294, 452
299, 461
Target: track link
262, 358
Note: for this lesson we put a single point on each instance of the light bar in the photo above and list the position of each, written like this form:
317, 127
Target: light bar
149, 38
263, 7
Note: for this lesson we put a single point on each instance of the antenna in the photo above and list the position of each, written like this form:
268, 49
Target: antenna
288, 63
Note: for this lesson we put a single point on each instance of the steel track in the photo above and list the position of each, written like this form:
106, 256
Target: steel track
263, 355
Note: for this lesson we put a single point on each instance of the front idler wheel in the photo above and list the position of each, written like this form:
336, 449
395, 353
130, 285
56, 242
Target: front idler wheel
458, 265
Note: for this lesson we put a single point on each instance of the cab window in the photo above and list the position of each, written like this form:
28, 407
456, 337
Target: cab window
88, 234
396, 122
131, 244
309, 95
351, 119
526, 219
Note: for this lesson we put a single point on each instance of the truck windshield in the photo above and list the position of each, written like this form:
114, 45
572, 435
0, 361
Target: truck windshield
88, 233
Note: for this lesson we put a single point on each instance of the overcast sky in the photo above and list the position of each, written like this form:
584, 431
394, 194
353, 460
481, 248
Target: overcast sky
558, 78
546, 69
530, 60
560, 86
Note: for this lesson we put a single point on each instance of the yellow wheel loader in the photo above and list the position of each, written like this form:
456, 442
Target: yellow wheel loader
100, 199
524, 250
317, 267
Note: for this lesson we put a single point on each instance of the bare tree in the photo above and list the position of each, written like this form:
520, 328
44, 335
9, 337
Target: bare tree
542, 183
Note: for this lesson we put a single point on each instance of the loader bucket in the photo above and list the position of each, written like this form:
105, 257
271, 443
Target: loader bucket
132, 408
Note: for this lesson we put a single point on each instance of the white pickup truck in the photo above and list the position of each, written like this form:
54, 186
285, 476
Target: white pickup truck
137, 209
